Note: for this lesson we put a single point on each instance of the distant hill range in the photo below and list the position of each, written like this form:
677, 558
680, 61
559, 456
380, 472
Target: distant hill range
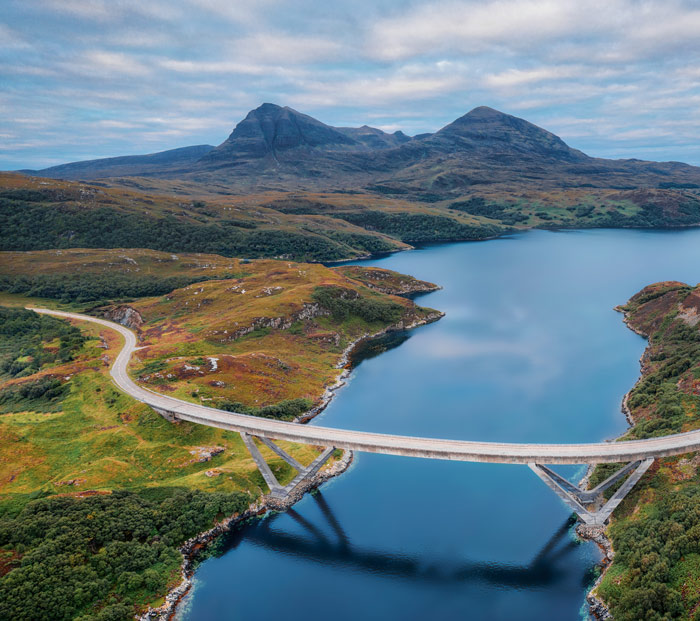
126, 165
278, 148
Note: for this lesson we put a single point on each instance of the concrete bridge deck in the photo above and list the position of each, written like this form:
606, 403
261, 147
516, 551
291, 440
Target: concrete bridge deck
431, 448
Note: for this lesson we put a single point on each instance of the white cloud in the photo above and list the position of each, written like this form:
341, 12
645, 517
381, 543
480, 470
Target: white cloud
10, 39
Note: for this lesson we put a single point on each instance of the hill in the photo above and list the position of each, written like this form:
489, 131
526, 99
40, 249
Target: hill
127, 165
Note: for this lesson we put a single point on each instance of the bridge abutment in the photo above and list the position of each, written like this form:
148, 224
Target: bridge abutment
579, 500
277, 490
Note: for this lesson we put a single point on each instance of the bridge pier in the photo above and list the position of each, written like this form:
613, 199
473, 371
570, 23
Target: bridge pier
170, 417
576, 498
277, 490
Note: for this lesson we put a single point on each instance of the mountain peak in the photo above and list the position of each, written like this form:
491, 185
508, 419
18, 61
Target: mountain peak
484, 112
488, 130
270, 129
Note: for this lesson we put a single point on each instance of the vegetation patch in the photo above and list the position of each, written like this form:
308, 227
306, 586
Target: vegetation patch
415, 227
288, 409
101, 557
28, 341
655, 532
342, 303
41, 395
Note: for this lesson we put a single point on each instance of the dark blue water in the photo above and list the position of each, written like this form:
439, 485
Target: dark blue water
530, 350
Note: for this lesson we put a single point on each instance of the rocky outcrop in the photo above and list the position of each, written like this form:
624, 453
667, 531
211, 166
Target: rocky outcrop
308, 311
387, 281
125, 315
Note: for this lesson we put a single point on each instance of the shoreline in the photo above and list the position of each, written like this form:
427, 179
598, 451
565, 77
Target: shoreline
598, 535
194, 546
344, 363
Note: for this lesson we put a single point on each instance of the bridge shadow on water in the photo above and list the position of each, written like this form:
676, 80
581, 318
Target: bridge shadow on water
328, 544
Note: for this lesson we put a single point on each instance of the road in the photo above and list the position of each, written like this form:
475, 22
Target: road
430, 448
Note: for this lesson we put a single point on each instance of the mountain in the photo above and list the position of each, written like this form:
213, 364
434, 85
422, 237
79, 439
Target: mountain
271, 130
278, 148
488, 132
127, 165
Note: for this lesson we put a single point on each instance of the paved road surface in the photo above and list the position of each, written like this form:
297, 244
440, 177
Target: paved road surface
430, 448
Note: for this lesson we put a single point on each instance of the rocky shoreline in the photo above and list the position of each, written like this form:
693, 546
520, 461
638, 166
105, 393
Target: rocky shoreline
598, 535
193, 547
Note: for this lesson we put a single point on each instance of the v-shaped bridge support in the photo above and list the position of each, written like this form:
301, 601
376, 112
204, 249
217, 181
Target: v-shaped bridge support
303, 472
576, 498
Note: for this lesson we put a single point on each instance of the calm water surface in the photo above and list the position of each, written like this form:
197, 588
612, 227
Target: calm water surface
530, 351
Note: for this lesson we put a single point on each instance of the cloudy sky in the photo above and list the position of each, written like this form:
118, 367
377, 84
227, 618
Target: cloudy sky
95, 78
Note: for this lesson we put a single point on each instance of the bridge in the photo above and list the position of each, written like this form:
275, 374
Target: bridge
589, 505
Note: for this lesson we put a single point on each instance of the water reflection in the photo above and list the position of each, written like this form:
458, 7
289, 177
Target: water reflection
327, 543
371, 348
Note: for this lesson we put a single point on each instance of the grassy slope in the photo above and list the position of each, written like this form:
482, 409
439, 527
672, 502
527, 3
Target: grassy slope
46, 214
655, 531
183, 330
102, 439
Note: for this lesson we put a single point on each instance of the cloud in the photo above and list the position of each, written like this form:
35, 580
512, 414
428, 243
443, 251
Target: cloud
616, 30
109, 10
378, 90
612, 77
519, 77
472, 26
105, 63
9, 39
277, 47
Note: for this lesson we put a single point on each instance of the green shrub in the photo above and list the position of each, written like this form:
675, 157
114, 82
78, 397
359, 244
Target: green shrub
93, 558
343, 303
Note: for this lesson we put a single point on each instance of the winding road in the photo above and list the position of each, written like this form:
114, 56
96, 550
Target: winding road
431, 448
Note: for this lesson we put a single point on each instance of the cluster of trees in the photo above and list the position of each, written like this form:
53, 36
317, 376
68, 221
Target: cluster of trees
653, 216
288, 409
94, 558
370, 244
343, 303
416, 227
650, 550
24, 333
87, 287
42, 395
477, 206
39, 226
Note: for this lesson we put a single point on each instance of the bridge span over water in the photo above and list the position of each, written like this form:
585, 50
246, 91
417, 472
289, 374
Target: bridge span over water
587, 504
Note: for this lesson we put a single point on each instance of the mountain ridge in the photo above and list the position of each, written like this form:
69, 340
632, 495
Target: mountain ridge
277, 148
